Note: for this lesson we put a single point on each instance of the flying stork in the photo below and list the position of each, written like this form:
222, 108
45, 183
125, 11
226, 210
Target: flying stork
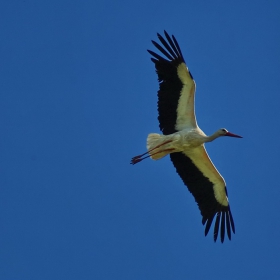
184, 141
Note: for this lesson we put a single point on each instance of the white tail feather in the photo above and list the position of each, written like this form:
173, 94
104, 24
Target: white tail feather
154, 140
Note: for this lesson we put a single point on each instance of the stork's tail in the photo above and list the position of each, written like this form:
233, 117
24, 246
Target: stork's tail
156, 147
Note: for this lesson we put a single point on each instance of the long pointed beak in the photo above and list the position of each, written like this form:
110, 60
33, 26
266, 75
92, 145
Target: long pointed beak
233, 135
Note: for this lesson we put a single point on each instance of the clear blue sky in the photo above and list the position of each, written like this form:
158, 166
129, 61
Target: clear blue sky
77, 100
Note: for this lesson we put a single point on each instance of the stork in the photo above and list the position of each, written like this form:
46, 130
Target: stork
184, 141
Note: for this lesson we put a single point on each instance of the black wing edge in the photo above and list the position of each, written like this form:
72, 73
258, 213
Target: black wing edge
202, 190
170, 85
223, 221
171, 49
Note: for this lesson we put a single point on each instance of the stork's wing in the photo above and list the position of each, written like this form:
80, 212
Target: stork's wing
176, 89
208, 188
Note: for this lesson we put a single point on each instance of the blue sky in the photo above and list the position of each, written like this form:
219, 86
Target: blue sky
77, 100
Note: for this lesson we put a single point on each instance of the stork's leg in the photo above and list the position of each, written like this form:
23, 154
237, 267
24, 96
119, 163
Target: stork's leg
138, 158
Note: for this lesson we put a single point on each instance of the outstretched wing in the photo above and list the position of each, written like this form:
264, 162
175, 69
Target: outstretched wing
176, 87
208, 188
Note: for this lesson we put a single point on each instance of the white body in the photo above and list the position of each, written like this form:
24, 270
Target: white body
191, 141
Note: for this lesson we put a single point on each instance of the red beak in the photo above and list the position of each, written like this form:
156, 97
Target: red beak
233, 135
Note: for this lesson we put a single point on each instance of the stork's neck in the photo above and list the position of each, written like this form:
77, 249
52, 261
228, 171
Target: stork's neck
213, 136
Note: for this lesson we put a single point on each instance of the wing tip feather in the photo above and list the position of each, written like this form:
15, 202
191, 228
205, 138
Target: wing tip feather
223, 224
172, 49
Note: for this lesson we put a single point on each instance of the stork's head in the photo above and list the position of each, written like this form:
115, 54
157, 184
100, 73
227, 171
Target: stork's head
224, 132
